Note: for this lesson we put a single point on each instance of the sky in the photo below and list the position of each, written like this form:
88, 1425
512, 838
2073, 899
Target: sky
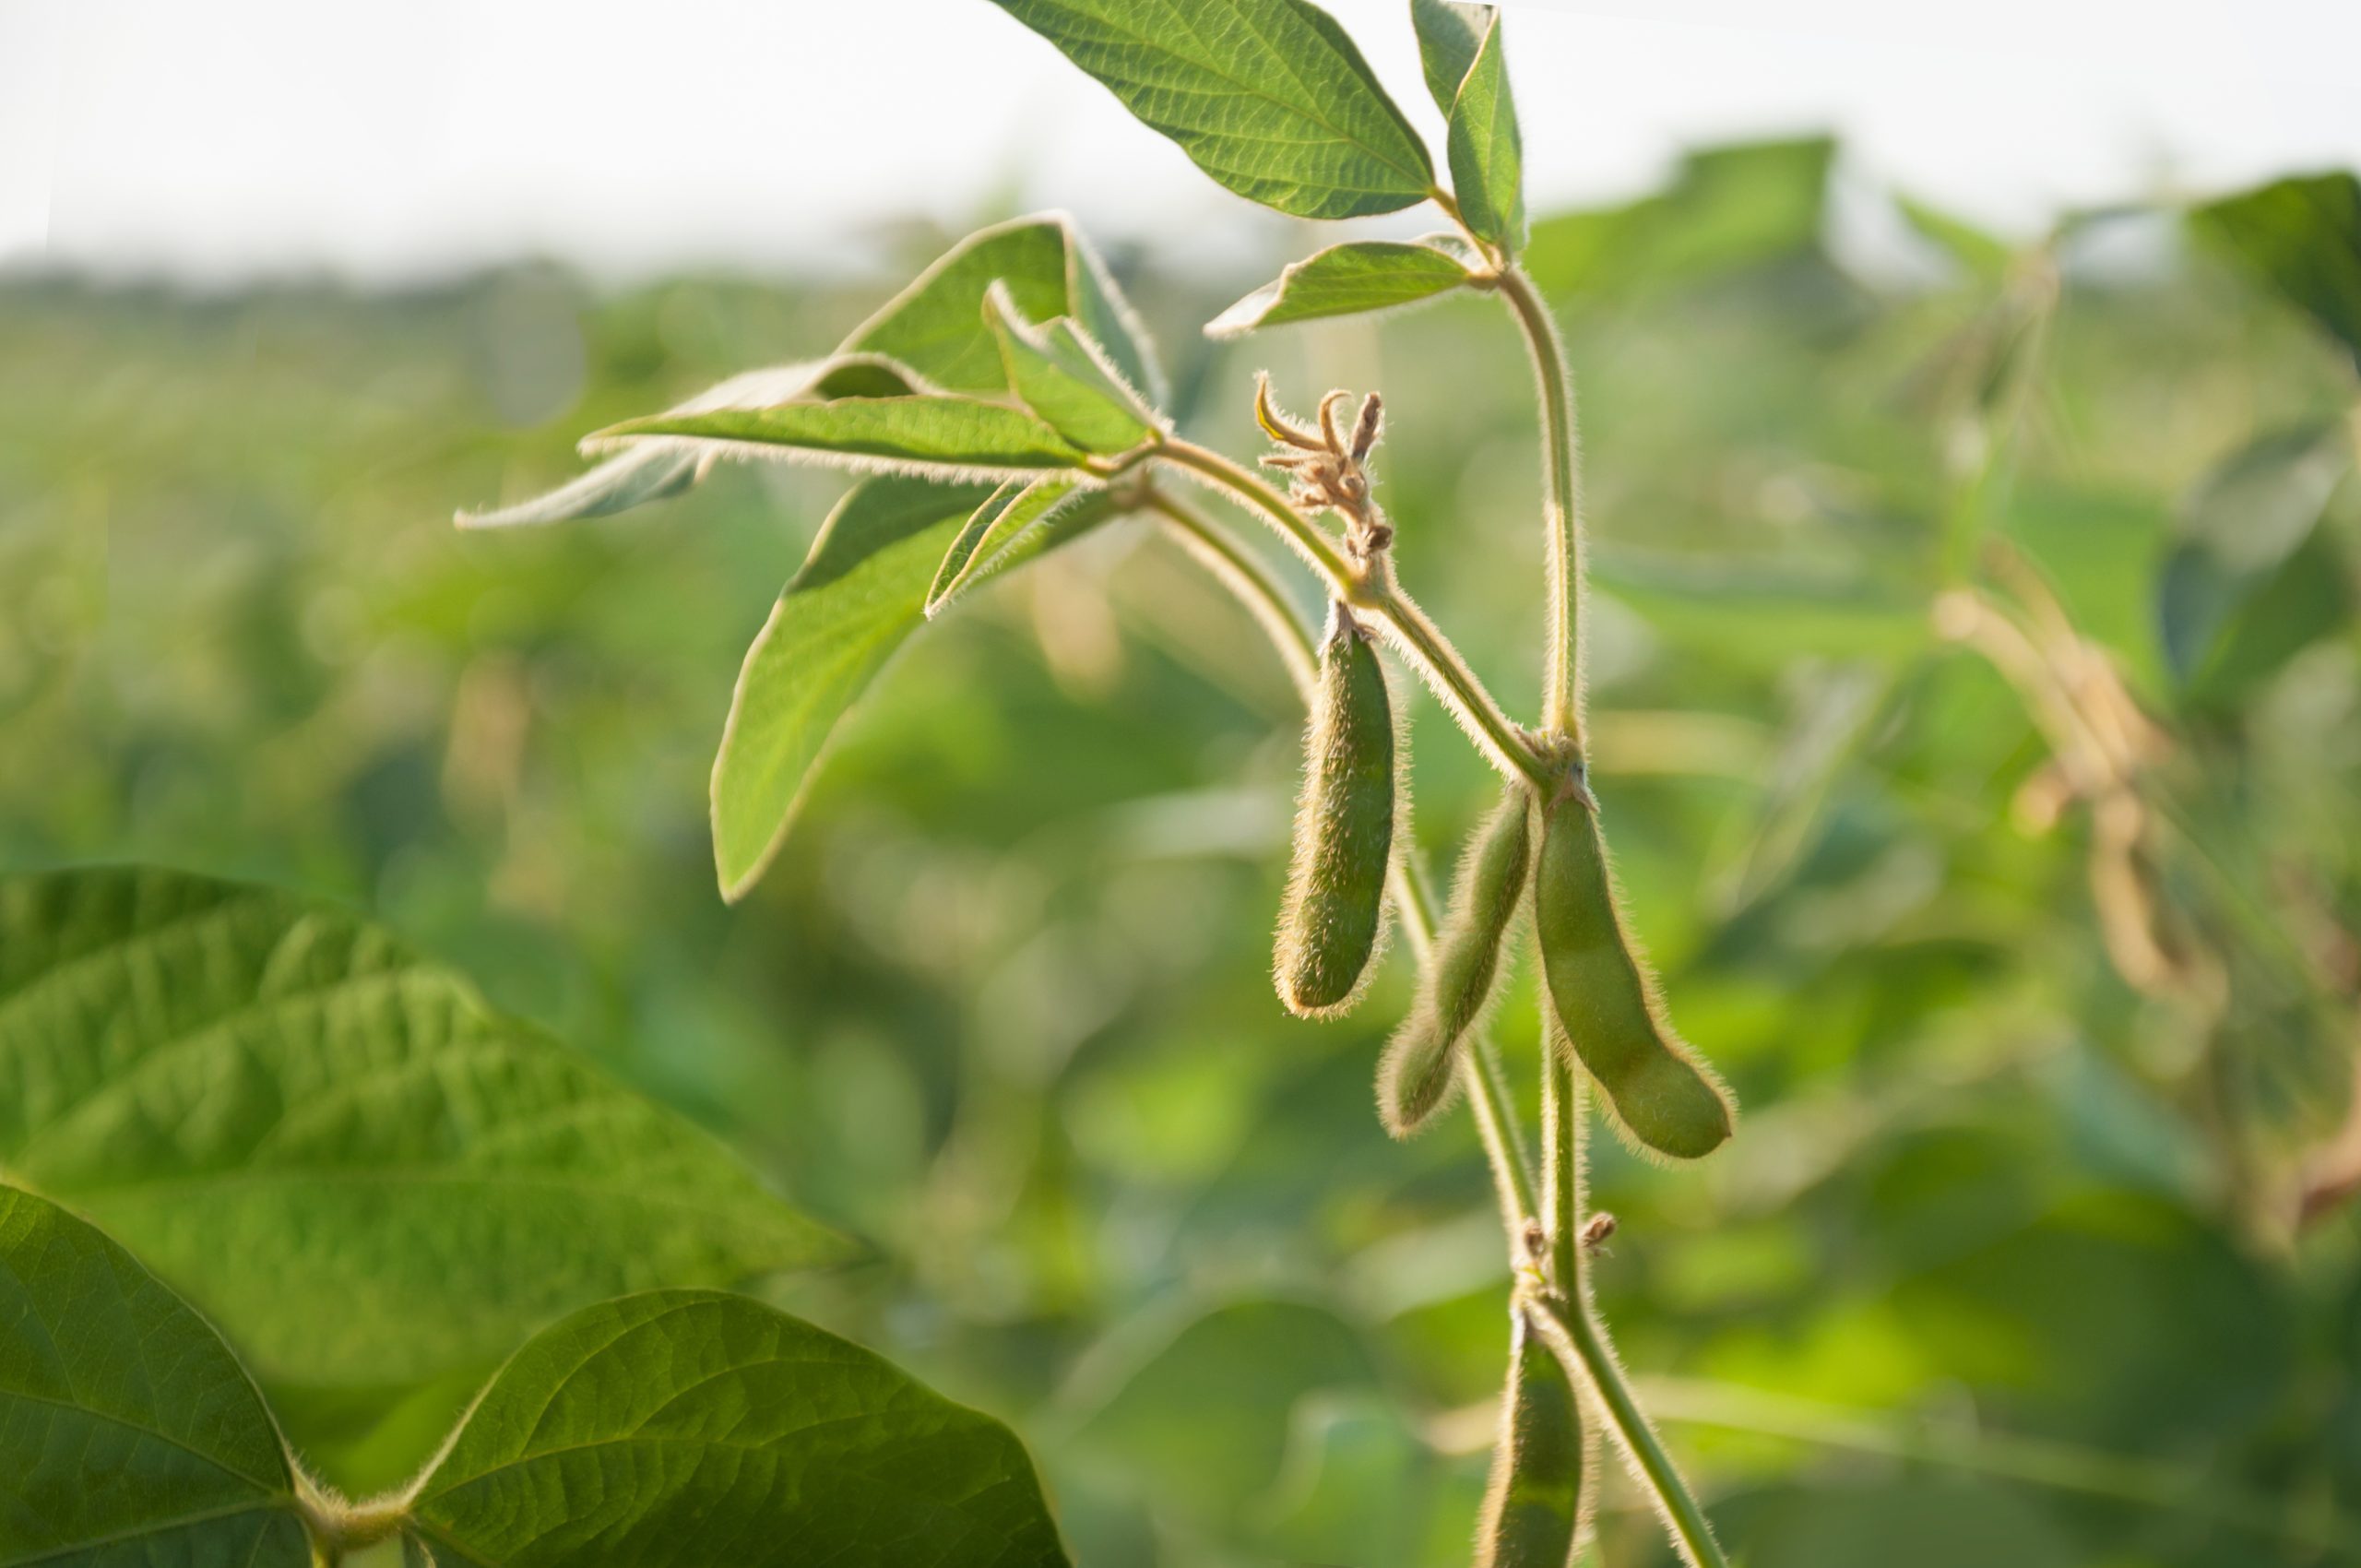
232, 140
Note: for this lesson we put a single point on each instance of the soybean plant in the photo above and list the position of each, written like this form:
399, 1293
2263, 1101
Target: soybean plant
1008, 402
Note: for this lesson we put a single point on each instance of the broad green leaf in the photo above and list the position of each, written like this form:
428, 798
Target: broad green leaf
2303, 236
687, 1426
129, 1435
942, 436
1348, 279
332, 1146
1449, 37
1486, 152
858, 598
993, 532
1064, 377
1269, 97
2241, 521
928, 337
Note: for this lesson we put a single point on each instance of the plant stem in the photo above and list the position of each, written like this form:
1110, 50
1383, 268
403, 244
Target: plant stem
1563, 1312
1562, 693
1252, 583
1417, 638
1574, 1331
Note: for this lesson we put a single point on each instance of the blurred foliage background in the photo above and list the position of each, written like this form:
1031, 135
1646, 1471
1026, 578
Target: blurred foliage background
1976, 693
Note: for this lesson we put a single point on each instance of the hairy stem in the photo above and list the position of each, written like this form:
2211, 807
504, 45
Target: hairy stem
1252, 582
1562, 504
1563, 1311
1419, 641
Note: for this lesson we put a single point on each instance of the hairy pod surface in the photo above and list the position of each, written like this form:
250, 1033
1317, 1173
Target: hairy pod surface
1416, 1078
1334, 909
1540, 1485
1607, 1003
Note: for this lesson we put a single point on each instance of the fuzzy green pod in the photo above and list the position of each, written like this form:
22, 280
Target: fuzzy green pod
1542, 1470
1606, 1001
1415, 1077
1334, 909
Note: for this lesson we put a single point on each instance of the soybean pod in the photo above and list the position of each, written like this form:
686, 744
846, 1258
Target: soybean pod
1607, 1003
1416, 1076
1541, 1465
1334, 909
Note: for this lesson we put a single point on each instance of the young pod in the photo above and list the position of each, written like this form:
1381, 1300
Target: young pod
1606, 1001
1415, 1077
1344, 829
1541, 1463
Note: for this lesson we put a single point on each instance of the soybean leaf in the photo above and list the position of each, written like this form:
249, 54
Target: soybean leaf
935, 325
932, 329
333, 1145
2241, 522
993, 531
1348, 279
2302, 235
692, 1426
1064, 377
1485, 151
940, 435
1269, 97
129, 1432
1729, 208
1449, 36
645, 473
859, 595
1981, 255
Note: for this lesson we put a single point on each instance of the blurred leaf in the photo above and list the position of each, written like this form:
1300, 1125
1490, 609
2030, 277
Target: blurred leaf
2240, 522
688, 1425
2302, 235
129, 1432
1063, 378
1981, 255
1486, 149
1269, 97
1348, 279
1207, 1414
948, 437
1728, 208
859, 594
2309, 598
1353, 1487
1449, 35
332, 1144
992, 531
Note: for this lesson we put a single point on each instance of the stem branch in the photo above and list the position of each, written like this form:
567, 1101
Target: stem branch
1562, 694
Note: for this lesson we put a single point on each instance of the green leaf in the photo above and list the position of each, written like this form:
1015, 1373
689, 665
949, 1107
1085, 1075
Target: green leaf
1449, 37
650, 472
993, 533
1483, 145
942, 436
859, 594
686, 1426
935, 325
2301, 236
2242, 521
1269, 97
332, 1146
1064, 377
129, 1435
1981, 255
931, 331
1348, 279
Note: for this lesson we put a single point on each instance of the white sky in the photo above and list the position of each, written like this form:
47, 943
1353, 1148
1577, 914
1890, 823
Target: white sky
218, 139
